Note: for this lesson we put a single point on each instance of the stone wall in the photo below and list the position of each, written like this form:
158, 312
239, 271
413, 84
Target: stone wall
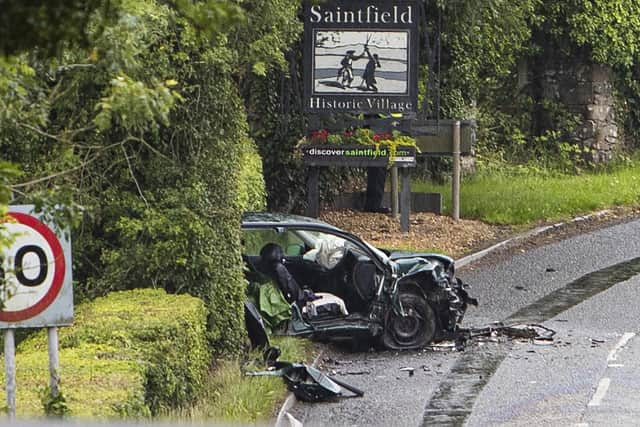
586, 90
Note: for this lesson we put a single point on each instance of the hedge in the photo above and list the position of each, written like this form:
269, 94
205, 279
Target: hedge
252, 195
131, 353
164, 210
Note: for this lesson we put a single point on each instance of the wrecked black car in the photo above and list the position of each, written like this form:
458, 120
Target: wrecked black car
337, 286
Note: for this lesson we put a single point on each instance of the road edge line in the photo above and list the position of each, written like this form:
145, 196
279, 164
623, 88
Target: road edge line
471, 258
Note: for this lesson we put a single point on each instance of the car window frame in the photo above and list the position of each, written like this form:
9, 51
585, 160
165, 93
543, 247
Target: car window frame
378, 257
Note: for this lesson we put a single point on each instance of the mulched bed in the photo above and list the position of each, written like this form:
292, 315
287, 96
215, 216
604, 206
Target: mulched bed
427, 231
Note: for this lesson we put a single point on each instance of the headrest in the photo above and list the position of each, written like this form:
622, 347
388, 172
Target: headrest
271, 254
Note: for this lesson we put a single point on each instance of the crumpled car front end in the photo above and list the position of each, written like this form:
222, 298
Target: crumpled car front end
433, 277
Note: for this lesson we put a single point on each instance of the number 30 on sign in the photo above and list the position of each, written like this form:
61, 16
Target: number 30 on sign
35, 286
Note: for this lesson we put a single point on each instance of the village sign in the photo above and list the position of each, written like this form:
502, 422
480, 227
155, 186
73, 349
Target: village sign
361, 57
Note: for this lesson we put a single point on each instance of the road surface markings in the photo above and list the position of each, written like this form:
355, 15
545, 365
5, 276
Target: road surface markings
453, 402
613, 354
603, 385
601, 391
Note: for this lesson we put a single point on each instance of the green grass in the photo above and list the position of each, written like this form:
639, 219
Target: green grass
231, 397
521, 199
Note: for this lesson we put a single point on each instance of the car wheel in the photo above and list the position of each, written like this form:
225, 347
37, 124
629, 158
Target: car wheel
415, 330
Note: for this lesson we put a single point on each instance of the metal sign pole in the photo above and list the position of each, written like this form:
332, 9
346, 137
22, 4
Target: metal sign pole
455, 188
10, 371
394, 191
54, 362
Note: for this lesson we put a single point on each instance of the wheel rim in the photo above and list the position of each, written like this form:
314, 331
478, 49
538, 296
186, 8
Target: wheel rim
417, 328
407, 328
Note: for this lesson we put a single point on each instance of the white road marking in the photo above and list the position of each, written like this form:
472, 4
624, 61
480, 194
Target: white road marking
623, 341
603, 385
601, 391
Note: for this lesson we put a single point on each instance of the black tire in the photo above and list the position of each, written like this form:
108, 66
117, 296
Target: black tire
415, 330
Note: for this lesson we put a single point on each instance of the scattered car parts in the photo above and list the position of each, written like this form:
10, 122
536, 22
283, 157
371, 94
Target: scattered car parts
308, 383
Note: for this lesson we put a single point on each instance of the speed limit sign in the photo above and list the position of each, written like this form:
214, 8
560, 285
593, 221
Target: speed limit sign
36, 273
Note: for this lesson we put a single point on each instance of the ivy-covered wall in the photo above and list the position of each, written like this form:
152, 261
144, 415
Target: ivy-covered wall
586, 90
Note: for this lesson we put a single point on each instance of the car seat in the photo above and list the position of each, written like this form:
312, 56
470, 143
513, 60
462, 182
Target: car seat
313, 305
272, 264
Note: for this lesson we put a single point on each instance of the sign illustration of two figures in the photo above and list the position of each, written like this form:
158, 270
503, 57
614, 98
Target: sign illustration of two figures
345, 73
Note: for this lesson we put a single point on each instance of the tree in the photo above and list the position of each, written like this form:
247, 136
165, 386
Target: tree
143, 130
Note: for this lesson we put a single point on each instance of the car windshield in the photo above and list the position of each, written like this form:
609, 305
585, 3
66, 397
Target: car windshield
381, 255
319, 246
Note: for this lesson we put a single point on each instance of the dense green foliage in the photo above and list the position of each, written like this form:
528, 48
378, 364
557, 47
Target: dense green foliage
47, 26
481, 42
494, 55
277, 123
133, 353
143, 131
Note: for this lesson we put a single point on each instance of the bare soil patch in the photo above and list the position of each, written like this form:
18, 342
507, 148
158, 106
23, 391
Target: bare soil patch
427, 231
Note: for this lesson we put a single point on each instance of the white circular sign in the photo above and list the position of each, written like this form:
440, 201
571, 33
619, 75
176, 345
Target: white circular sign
33, 268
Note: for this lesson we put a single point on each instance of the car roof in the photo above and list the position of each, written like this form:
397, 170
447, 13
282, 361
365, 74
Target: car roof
276, 219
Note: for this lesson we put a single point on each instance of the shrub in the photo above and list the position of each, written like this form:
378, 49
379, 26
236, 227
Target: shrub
251, 190
132, 353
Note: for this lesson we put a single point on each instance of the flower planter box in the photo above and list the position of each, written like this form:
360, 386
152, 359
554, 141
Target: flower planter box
358, 155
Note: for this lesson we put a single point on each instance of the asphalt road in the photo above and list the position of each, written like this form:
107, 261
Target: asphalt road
583, 287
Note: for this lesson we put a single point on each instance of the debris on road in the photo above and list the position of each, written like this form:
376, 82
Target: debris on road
308, 383
330, 360
353, 372
442, 346
537, 334
530, 331
407, 369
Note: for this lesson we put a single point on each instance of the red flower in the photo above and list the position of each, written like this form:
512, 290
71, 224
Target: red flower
382, 136
320, 134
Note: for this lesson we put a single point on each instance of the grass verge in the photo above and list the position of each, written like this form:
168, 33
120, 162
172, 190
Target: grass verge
232, 397
517, 199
